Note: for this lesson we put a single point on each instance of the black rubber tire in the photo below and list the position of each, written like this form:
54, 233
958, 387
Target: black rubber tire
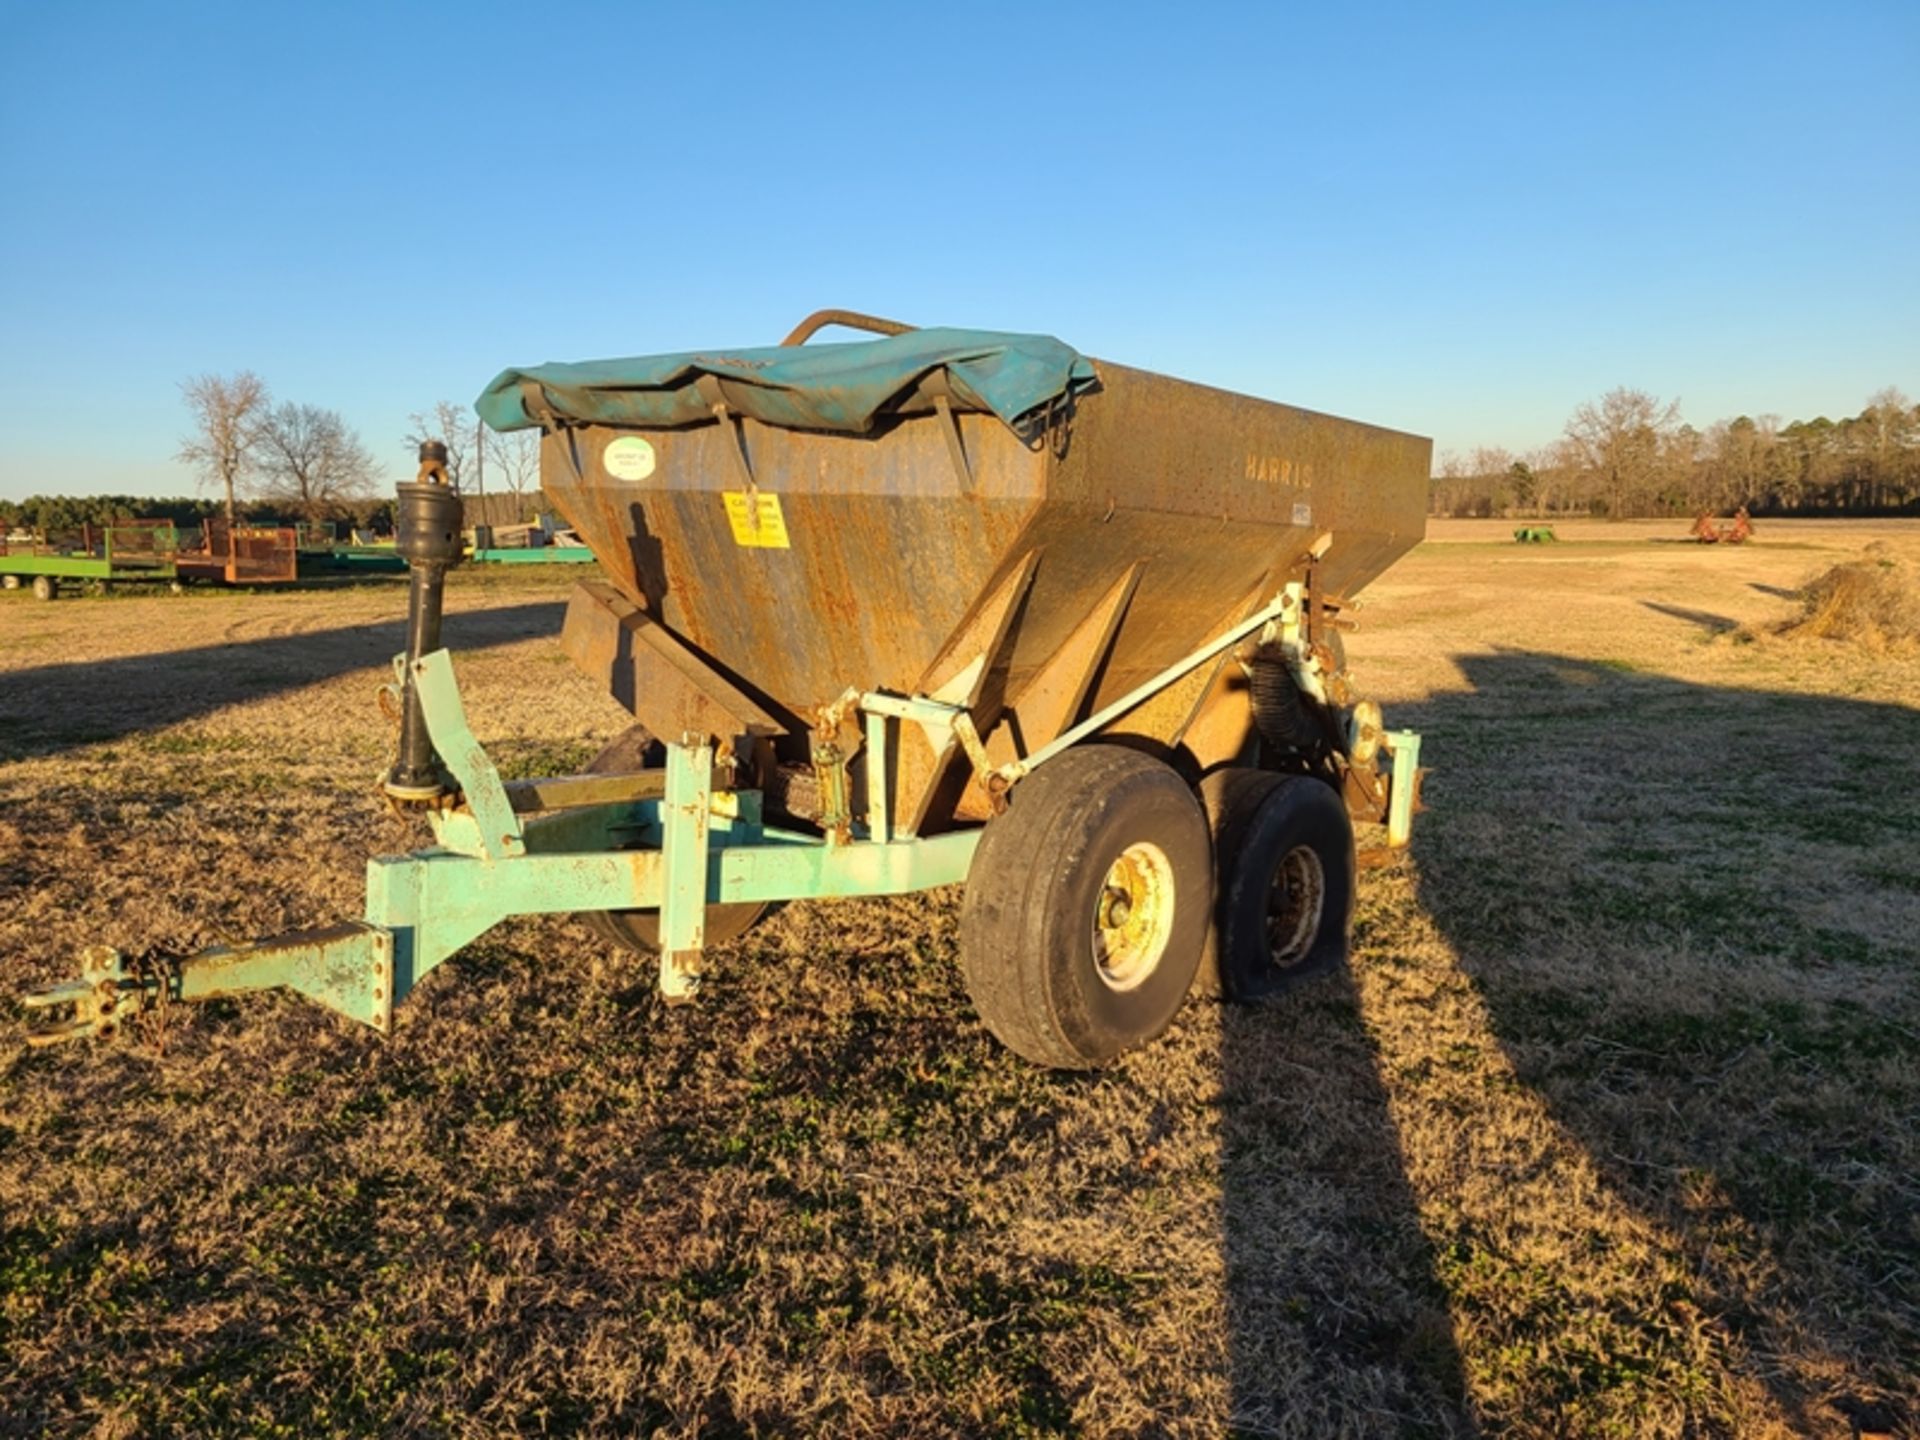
1258, 819
639, 930
1027, 925
45, 587
1286, 719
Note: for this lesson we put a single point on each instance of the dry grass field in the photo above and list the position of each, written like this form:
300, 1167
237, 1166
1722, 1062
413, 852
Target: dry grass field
1613, 1129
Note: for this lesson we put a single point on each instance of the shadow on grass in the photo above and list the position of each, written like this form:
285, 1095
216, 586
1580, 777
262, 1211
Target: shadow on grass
829, 1176
1708, 621
52, 708
1336, 1321
1690, 915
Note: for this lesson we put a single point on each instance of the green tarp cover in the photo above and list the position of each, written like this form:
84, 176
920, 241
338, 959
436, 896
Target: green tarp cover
805, 387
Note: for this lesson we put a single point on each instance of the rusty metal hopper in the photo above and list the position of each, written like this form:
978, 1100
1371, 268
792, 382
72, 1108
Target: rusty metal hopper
1032, 572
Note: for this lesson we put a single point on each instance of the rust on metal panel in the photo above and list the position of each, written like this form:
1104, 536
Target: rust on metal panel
1148, 442
1056, 695
1364, 789
956, 673
670, 689
1221, 728
1163, 717
1053, 696
898, 539
966, 672
1166, 716
887, 554
1194, 573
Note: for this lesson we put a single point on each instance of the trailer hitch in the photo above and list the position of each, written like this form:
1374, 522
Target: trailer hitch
106, 996
348, 968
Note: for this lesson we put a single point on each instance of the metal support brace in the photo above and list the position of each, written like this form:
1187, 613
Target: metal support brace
879, 797
496, 826
734, 439
1403, 761
685, 820
1100, 719
1302, 663
939, 719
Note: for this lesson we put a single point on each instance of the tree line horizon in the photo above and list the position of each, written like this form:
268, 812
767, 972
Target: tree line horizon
1626, 455
287, 460
1630, 455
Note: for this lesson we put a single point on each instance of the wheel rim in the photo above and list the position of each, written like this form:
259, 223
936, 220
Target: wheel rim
1294, 905
1133, 916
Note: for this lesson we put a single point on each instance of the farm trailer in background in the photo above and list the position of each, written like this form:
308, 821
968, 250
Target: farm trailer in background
149, 552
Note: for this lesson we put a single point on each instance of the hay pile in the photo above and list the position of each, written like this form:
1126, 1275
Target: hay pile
1873, 602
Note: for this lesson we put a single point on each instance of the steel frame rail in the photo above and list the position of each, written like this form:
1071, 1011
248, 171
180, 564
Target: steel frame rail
676, 847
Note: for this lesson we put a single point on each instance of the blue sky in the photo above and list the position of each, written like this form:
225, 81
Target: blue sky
1461, 221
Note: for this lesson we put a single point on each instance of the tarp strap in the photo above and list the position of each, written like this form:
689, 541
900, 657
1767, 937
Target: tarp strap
1057, 426
933, 386
533, 400
733, 429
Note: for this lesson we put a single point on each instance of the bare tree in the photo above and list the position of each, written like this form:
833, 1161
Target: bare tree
1447, 490
1624, 441
311, 459
1630, 454
514, 459
1488, 467
455, 427
1680, 475
1552, 477
1741, 464
225, 411
1887, 446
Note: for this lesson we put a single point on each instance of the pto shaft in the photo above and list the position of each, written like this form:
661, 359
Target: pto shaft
429, 539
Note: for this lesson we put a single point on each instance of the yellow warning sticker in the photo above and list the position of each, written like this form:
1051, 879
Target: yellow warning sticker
766, 530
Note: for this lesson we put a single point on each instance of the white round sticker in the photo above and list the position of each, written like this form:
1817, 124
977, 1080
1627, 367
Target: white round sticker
629, 458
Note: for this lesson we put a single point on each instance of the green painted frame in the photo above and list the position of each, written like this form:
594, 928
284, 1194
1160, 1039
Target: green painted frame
693, 847
676, 845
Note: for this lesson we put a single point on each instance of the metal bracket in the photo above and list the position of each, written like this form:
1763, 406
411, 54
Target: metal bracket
879, 781
1403, 776
1292, 629
685, 819
941, 721
497, 827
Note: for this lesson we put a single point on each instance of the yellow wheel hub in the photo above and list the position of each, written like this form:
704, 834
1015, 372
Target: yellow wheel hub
1133, 916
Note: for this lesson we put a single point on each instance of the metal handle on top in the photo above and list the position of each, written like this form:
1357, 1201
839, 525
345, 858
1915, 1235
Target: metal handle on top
852, 319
